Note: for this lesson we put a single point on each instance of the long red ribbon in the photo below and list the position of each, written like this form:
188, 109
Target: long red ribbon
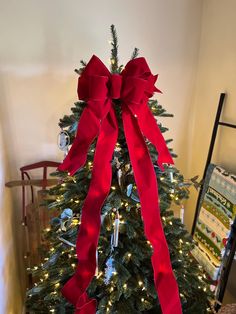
97, 86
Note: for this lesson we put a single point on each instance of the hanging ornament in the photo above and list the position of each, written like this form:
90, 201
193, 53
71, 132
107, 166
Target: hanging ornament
181, 214
63, 141
66, 242
66, 217
119, 177
171, 172
96, 271
115, 236
132, 193
67, 213
109, 270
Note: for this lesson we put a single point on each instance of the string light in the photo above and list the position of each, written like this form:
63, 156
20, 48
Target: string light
129, 254
111, 289
99, 275
73, 265
142, 299
113, 188
46, 275
125, 286
57, 285
170, 222
140, 283
63, 184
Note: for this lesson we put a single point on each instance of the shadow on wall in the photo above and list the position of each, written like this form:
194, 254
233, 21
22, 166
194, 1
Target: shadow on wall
10, 263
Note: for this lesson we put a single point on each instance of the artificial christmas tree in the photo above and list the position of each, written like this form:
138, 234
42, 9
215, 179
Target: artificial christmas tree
124, 275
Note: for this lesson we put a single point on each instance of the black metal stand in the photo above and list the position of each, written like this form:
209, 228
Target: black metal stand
210, 152
226, 266
231, 246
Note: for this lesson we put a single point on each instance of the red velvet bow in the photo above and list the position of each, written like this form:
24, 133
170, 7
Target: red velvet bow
97, 86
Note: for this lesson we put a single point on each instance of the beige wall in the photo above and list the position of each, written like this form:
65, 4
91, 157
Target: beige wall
41, 44
216, 73
10, 300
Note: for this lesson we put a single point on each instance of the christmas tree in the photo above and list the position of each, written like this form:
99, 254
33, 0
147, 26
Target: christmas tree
123, 282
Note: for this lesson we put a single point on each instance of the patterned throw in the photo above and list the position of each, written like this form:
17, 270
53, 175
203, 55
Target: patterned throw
217, 212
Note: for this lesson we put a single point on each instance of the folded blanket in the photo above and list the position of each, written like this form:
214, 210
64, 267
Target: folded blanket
216, 214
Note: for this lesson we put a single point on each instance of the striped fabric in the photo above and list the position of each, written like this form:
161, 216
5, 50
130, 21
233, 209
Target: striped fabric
217, 211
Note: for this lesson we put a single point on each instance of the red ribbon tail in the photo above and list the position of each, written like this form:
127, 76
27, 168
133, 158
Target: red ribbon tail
87, 240
151, 131
145, 179
87, 131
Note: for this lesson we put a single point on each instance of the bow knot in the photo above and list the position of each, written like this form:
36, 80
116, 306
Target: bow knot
116, 85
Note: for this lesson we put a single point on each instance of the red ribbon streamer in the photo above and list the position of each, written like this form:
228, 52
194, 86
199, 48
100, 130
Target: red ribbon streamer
134, 86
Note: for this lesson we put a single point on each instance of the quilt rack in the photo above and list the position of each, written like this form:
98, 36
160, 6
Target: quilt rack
231, 246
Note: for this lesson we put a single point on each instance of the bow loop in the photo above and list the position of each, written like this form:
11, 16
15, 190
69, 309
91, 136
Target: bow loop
139, 82
133, 90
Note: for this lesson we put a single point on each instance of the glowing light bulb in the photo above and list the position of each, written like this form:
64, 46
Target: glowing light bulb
140, 283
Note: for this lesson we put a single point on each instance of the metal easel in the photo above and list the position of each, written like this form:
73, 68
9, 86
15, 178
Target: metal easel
231, 246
